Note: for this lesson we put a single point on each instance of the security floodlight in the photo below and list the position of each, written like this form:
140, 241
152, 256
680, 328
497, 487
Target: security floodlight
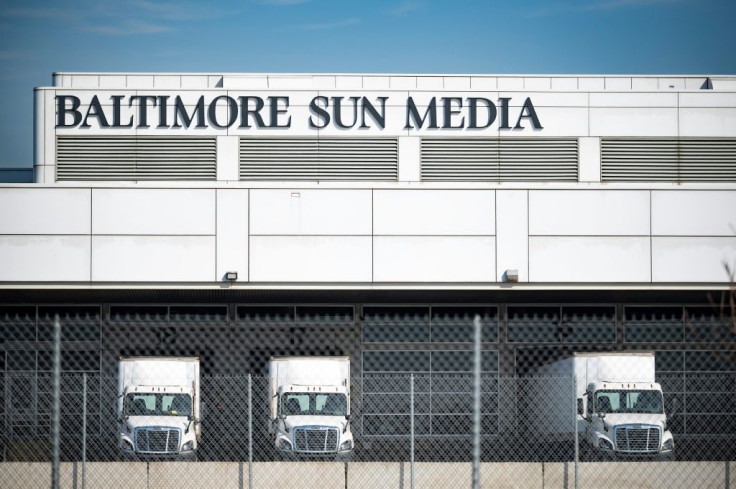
231, 276
511, 275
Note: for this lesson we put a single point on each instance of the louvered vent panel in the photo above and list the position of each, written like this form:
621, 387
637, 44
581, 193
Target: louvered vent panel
638, 160
135, 158
539, 160
708, 160
319, 159
496, 159
668, 160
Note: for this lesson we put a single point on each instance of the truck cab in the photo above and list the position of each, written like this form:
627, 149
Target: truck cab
626, 418
310, 406
158, 407
313, 420
158, 420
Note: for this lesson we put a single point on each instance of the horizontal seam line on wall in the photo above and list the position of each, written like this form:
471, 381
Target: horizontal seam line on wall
379, 235
632, 236
122, 235
589, 235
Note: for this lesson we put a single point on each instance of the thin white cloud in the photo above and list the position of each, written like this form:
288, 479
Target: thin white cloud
130, 28
330, 25
142, 17
176, 53
37, 13
614, 4
184, 11
406, 7
597, 5
283, 2
114, 18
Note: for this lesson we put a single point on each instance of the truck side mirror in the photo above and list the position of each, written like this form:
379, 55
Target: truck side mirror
581, 411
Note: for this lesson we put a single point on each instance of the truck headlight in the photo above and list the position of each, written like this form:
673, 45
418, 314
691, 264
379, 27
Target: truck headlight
668, 445
346, 445
188, 446
127, 445
284, 444
604, 444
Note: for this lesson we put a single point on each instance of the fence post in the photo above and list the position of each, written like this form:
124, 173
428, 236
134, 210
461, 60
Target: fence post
55, 414
84, 431
575, 421
476, 401
6, 419
411, 430
250, 432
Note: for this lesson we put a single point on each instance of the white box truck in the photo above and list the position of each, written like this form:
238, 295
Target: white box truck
620, 408
158, 407
309, 399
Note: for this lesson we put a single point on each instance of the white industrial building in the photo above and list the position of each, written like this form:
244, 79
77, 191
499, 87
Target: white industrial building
374, 216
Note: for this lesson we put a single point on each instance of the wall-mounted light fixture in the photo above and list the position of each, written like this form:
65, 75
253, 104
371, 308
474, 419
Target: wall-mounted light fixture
231, 276
511, 275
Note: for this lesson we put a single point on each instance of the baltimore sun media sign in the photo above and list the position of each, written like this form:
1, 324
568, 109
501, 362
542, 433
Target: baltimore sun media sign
140, 111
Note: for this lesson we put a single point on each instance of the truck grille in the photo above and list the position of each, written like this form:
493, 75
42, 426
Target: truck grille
637, 439
157, 440
315, 439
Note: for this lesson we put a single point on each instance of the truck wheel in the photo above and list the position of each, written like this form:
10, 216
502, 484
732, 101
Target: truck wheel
588, 453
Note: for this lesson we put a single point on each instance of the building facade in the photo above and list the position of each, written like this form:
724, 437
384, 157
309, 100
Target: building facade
239, 216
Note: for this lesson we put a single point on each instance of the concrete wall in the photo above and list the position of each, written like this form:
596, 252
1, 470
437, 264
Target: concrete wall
360, 475
662, 475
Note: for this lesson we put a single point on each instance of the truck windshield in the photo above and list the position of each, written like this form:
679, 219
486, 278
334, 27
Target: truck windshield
628, 402
145, 404
303, 403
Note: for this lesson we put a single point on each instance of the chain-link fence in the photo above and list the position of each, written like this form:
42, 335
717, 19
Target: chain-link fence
332, 410
527, 431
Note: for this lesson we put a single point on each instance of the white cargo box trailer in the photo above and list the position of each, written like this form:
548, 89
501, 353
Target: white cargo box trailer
617, 404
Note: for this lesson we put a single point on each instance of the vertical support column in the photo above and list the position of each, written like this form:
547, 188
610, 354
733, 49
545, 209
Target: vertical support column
6, 419
84, 431
232, 234
411, 428
228, 164
250, 431
409, 159
728, 475
476, 401
512, 233
575, 421
589, 159
55, 415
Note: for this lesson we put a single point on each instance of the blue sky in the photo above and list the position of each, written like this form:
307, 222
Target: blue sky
325, 36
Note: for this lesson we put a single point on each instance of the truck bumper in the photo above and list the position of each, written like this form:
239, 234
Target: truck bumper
189, 456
